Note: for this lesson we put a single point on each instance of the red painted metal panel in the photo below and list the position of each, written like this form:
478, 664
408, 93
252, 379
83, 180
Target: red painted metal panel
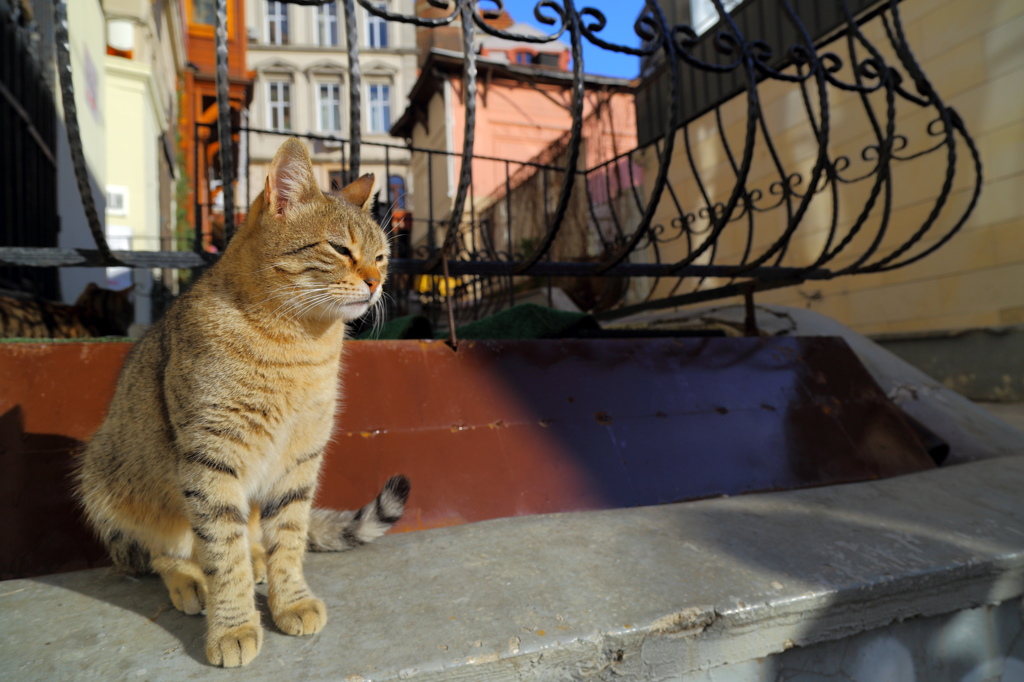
507, 428
498, 428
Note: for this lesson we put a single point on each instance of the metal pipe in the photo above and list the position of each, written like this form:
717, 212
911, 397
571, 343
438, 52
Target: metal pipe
227, 162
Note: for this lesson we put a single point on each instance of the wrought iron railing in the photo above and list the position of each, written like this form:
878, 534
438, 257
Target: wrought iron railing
28, 165
725, 206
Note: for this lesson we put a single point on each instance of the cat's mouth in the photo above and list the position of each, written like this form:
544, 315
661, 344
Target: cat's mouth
354, 309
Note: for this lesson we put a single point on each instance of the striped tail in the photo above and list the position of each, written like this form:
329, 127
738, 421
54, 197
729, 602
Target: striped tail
334, 531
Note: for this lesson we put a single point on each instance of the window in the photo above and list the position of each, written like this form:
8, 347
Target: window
380, 108
703, 14
396, 191
117, 200
204, 12
326, 34
328, 110
277, 23
524, 58
376, 29
337, 179
279, 105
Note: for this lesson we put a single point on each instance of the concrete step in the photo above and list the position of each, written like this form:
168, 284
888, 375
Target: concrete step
666, 592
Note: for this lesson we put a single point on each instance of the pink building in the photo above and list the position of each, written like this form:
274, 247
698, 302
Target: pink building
524, 94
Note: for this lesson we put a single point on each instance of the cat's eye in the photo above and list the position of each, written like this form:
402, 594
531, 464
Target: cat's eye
343, 250
380, 258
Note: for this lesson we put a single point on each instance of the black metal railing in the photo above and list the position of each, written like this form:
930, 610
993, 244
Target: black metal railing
28, 164
715, 203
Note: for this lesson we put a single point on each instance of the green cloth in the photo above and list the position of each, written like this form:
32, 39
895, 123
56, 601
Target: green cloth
407, 327
528, 321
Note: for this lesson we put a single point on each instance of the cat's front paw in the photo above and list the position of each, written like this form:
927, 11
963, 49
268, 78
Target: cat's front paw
188, 592
305, 617
235, 647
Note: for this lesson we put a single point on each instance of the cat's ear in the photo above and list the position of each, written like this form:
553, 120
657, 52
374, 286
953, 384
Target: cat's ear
290, 180
359, 192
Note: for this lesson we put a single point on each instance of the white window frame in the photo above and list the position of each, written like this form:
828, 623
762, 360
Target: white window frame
377, 26
322, 125
375, 108
703, 14
117, 194
323, 21
283, 106
277, 16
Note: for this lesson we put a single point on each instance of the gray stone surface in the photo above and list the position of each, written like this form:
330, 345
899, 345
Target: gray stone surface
676, 592
982, 364
1011, 413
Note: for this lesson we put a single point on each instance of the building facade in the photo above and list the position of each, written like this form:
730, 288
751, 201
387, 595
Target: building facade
200, 146
302, 88
522, 116
522, 127
144, 67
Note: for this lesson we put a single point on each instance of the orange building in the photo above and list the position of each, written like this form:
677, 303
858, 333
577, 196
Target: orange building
198, 126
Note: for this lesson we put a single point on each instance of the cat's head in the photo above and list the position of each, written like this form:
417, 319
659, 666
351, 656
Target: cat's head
109, 312
323, 256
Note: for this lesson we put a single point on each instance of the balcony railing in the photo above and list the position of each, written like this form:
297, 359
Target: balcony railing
792, 171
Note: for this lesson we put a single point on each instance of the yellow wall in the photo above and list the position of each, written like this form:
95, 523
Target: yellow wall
973, 54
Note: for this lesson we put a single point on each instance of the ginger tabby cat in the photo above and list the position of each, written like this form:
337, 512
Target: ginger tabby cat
213, 441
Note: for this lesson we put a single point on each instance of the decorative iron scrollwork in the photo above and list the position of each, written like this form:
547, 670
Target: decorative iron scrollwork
663, 211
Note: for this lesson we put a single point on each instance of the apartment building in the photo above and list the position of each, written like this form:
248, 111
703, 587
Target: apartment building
302, 87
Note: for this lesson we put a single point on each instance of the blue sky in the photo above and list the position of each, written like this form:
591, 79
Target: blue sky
621, 15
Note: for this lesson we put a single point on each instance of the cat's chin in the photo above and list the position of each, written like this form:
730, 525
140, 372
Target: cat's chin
352, 311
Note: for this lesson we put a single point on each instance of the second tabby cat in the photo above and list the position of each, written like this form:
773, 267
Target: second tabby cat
205, 468
97, 312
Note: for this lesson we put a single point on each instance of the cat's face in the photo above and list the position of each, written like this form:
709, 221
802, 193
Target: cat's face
325, 257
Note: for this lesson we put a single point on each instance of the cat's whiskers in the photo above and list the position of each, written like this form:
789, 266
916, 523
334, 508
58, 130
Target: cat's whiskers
289, 292
336, 301
379, 312
294, 294
307, 304
389, 214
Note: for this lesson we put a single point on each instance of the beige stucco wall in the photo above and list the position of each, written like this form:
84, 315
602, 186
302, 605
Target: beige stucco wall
973, 55
141, 94
432, 175
304, 65
134, 118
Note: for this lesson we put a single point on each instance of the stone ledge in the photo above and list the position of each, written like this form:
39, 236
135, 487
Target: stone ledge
633, 593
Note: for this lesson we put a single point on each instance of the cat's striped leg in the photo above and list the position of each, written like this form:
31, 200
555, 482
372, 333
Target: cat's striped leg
219, 513
259, 552
285, 518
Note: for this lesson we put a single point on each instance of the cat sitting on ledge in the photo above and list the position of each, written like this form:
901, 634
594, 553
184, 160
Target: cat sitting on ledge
206, 466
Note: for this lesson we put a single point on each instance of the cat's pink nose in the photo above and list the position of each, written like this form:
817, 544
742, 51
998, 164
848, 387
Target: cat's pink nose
371, 277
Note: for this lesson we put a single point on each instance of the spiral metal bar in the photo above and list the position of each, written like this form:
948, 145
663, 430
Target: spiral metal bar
355, 91
67, 92
224, 136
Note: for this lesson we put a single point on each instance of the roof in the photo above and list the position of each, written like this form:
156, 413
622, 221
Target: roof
496, 43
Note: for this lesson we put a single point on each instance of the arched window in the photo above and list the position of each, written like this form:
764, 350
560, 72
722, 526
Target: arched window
396, 191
